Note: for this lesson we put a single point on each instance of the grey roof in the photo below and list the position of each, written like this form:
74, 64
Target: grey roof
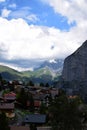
6, 106
35, 118
19, 128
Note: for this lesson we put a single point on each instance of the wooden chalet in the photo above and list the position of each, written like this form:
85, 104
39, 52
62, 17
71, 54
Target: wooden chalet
8, 108
9, 97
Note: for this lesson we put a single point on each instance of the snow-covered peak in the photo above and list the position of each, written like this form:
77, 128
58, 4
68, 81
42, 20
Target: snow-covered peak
52, 61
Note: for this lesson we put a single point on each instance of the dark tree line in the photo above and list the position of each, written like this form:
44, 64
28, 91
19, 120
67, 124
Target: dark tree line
65, 113
4, 122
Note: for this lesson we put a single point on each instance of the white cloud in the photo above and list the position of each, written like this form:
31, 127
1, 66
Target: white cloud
2, 0
32, 18
5, 13
15, 67
23, 13
19, 40
74, 10
13, 5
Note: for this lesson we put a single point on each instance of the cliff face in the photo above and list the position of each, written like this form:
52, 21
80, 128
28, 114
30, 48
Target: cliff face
75, 65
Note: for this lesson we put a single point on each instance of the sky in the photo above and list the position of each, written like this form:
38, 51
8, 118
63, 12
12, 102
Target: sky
32, 31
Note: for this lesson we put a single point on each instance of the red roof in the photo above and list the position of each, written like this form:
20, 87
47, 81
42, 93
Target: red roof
10, 94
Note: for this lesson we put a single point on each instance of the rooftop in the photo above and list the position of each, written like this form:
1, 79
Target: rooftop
19, 128
35, 118
6, 105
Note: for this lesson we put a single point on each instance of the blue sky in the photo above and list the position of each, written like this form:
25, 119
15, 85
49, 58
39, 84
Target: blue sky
32, 31
44, 14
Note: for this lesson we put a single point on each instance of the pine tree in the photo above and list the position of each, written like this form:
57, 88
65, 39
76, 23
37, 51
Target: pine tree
4, 122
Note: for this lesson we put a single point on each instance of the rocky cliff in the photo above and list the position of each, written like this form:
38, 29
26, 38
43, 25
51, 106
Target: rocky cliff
75, 65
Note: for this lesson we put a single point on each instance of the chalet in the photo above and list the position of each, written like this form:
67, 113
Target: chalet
37, 104
45, 90
9, 97
18, 88
8, 108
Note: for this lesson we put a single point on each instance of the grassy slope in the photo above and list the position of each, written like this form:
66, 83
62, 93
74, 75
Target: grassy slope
36, 73
9, 70
43, 73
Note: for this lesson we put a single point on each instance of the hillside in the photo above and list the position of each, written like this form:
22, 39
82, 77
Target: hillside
9, 73
40, 75
46, 72
9, 70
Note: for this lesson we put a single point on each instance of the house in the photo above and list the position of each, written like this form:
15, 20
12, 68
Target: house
19, 128
9, 97
37, 104
8, 108
18, 88
37, 119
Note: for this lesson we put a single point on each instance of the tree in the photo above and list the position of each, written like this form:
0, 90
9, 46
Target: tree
1, 79
22, 97
43, 108
65, 114
30, 83
4, 122
42, 84
31, 100
47, 85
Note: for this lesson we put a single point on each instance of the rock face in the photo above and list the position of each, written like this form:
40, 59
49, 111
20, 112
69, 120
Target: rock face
75, 65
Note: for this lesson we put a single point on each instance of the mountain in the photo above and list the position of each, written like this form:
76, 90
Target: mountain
40, 75
75, 65
38, 72
54, 65
46, 72
37, 76
74, 73
9, 73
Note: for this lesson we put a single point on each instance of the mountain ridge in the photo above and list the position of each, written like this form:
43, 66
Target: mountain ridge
43, 73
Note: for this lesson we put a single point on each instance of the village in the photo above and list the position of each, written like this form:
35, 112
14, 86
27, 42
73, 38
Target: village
26, 107
30, 106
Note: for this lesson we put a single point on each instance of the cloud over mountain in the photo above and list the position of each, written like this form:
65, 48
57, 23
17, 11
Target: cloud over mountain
22, 36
